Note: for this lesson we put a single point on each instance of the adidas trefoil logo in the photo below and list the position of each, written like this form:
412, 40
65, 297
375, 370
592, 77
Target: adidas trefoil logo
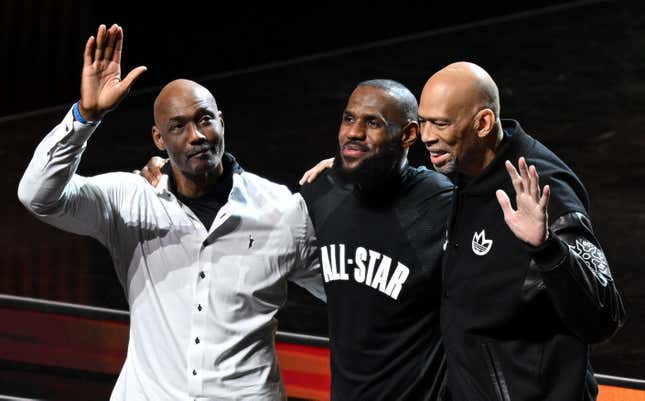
481, 245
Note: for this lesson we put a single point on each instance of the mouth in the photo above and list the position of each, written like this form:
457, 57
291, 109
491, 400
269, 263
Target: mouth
200, 153
438, 157
354, 150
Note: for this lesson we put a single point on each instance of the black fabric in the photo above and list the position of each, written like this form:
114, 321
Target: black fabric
206, 206
505, 338
385, 340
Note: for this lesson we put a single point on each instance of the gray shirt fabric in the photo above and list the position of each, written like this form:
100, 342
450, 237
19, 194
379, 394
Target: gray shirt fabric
202, 303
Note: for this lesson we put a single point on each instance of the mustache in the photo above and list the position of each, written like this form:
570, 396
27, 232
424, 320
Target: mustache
356, 144
199, 149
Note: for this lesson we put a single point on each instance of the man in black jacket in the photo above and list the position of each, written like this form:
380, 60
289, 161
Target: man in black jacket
526, 286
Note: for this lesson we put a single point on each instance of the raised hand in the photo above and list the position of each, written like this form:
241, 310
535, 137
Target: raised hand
529, 222
101, 85
313, 173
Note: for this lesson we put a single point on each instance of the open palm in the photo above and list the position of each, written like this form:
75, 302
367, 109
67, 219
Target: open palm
529, 222
101, 85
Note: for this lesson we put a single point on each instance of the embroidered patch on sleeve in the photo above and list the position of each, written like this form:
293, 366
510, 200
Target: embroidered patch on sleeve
594, 258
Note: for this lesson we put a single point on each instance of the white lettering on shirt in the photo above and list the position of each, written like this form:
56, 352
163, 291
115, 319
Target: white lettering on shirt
371, 268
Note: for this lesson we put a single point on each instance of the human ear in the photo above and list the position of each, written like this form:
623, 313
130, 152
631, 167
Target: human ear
484, 122
157, 138
409, 134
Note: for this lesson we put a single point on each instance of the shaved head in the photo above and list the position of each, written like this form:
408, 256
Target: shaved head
189, 126
459, 116
178, 90
466, 85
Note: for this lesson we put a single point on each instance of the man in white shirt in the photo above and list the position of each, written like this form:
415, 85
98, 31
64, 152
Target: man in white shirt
203, 257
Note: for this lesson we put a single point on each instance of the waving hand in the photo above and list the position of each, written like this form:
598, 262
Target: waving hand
529, 222
101, 85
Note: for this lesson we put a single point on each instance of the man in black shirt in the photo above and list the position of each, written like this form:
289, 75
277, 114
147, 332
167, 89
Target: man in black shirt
380, 227
525, 291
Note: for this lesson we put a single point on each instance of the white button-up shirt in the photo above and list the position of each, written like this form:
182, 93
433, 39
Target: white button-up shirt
202, 303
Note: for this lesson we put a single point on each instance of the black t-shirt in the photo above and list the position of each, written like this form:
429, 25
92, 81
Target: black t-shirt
206, 206
382, 272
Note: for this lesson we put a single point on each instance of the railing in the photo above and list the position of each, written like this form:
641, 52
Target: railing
76, 338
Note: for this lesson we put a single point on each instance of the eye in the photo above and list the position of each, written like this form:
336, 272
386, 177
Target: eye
374, 123
205, 120
176, 127
347, 118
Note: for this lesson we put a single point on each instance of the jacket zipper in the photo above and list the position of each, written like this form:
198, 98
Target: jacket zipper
496, 374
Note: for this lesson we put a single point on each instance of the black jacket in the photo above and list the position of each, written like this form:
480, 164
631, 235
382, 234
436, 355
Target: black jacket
381, 262
517, 321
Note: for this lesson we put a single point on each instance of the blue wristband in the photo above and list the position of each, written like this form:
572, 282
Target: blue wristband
79, 117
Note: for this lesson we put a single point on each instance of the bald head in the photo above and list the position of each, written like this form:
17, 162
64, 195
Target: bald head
178, 92
189, 126
459, 117
464, 85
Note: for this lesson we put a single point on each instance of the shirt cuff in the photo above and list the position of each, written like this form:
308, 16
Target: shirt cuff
549, 255
75, 132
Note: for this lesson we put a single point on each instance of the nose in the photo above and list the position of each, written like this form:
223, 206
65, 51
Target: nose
194, 134
427, 133
356, 131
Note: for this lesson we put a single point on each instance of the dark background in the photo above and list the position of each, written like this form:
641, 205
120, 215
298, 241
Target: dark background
571, 72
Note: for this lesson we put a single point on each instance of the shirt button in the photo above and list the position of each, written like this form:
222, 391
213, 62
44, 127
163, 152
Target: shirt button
194, 372
202, 274
199, 308
196, 340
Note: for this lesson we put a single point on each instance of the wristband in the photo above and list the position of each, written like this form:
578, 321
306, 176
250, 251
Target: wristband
79, 117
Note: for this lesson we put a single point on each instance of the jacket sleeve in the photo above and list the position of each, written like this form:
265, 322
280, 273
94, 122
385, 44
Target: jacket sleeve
52, 191
576, 274
306, 272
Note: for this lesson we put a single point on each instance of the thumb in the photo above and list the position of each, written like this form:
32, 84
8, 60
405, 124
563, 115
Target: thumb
504, 202
128, 81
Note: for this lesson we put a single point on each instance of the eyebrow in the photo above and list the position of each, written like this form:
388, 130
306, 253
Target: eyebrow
199, 112
377, 116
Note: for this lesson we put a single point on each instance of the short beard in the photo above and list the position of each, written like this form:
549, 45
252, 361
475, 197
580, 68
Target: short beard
376, 179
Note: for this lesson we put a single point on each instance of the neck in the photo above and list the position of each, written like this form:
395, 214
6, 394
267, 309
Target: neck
490, 148
194, 186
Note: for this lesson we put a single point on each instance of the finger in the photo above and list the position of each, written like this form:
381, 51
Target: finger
150, 176
505, 203
534, 183
524, 171
319, 169
100, 43
544, 199
305, 177
516, 179
129, 80
118, 45
156, 163
110, 42
145, 172
154, 166
89, 50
